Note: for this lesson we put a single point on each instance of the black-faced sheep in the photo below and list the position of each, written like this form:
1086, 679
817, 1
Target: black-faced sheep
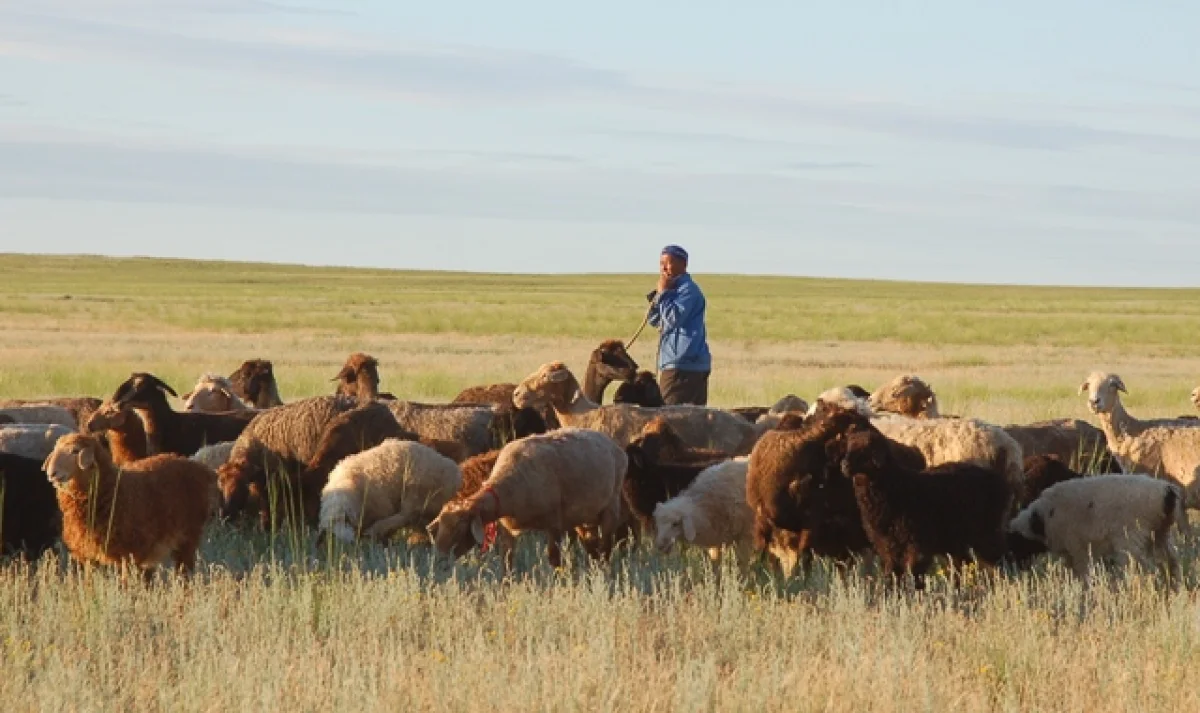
171, 431
911, 516
568, 479
1106, 517
143, 513
254, 383
30, 522
396, 484
642, 391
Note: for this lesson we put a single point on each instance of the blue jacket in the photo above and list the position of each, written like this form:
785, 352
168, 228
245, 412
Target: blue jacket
679, 314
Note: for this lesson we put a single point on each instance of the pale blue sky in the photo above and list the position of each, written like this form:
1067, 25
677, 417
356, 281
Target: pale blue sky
1023, 141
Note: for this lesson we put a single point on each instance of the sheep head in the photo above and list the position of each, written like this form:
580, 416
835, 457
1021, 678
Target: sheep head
234, 483
670, 524
1102, 391
254, 381
789, 404
656, 437
907, 395
359, 378
213, 394
456, 530
74, 455
553, 384
842, 398
865, 453
109, 417
142, 389
612, 361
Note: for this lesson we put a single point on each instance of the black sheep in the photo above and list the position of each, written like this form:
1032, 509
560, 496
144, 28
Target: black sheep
30, 521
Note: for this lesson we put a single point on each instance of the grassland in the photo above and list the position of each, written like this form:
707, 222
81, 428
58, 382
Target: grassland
274, 622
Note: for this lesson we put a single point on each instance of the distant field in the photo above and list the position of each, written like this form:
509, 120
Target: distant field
274, 622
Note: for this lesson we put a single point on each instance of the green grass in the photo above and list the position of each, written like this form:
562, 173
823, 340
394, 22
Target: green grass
276, 622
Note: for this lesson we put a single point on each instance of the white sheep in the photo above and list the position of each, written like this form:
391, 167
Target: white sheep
907, 395
1160, 447
41, 413
699, 427
711, 512
31, 440
1106, 516
214, 393
842, 397
394, 485
958, 440
214, 456
568, 479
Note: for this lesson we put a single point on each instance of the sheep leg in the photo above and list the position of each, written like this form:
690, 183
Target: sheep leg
554, 547
185, 557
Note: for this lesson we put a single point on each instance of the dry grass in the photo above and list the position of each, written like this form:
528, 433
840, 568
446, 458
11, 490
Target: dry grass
274, 622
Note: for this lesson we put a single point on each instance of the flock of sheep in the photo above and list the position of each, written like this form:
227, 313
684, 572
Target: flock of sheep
131, 480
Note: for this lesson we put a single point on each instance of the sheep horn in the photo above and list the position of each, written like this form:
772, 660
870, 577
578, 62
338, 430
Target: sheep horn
159, 383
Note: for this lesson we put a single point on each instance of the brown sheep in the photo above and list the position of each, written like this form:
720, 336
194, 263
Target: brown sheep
1076, 443
518, 422
254, 383
906, 395
911, 516
123, 431
141, 514
643, 391
608, 362
359, 379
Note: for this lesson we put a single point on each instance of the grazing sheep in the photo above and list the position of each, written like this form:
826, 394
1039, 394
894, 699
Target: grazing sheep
123, 431
254, 383
213, 394
608, 362
30, 521
359, 379
475, 471
141, 514
1041, 472
1162, 447
31, 440
660, 469
80, 406
279, 442
910, 516
214, 456
477, 426
1113, 515
698, 426
525, 421
1077, 443
906, 395
553, 482
394, 485
711, 512
171, 431
642, 391
41, 413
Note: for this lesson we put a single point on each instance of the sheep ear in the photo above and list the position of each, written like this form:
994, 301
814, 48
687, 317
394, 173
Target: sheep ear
477, 529
46, 463
689, 527
1083, 388
86, 459
1120, 385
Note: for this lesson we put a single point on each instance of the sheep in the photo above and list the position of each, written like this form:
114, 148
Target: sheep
477, 426
1114, 515
525, 421
1164, 447
608, 362
910, 516
1078, 443
553, 482
30, 521
80, 406
254, 383
41, 413
842, 397
659, 469
278, 443
1041, 472
711, 512
213, 394
214, 456
171, 431
393, 485
698, 426
359, 379
642, 391
906, 395
123, 430
788, 405
31, 440
141, 514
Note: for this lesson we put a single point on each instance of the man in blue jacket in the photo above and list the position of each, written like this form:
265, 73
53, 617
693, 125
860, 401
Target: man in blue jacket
684, 362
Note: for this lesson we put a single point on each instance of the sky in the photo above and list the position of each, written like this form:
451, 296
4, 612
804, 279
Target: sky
1017, 142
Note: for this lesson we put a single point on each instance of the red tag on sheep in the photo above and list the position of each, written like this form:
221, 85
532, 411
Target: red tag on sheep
489, 537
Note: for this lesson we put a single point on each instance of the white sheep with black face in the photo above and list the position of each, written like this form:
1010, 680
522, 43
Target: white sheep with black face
1112, 516
1167, 448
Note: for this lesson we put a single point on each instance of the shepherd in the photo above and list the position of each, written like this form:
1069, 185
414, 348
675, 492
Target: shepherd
677, 310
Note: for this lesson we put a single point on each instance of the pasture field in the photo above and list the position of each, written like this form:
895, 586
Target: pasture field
274, 622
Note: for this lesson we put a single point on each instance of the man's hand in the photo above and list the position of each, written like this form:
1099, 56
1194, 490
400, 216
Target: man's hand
665, 282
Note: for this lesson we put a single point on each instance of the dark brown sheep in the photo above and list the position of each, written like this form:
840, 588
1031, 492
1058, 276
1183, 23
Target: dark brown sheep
608, 362
911, 516
359, 379
643, 391
171, 431
659, 469
254, 382
521, 423
30, 521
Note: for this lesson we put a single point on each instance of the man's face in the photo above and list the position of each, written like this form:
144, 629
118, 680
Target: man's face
671, 266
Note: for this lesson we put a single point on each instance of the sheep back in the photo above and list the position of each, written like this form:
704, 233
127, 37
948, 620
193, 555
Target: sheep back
470, 424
